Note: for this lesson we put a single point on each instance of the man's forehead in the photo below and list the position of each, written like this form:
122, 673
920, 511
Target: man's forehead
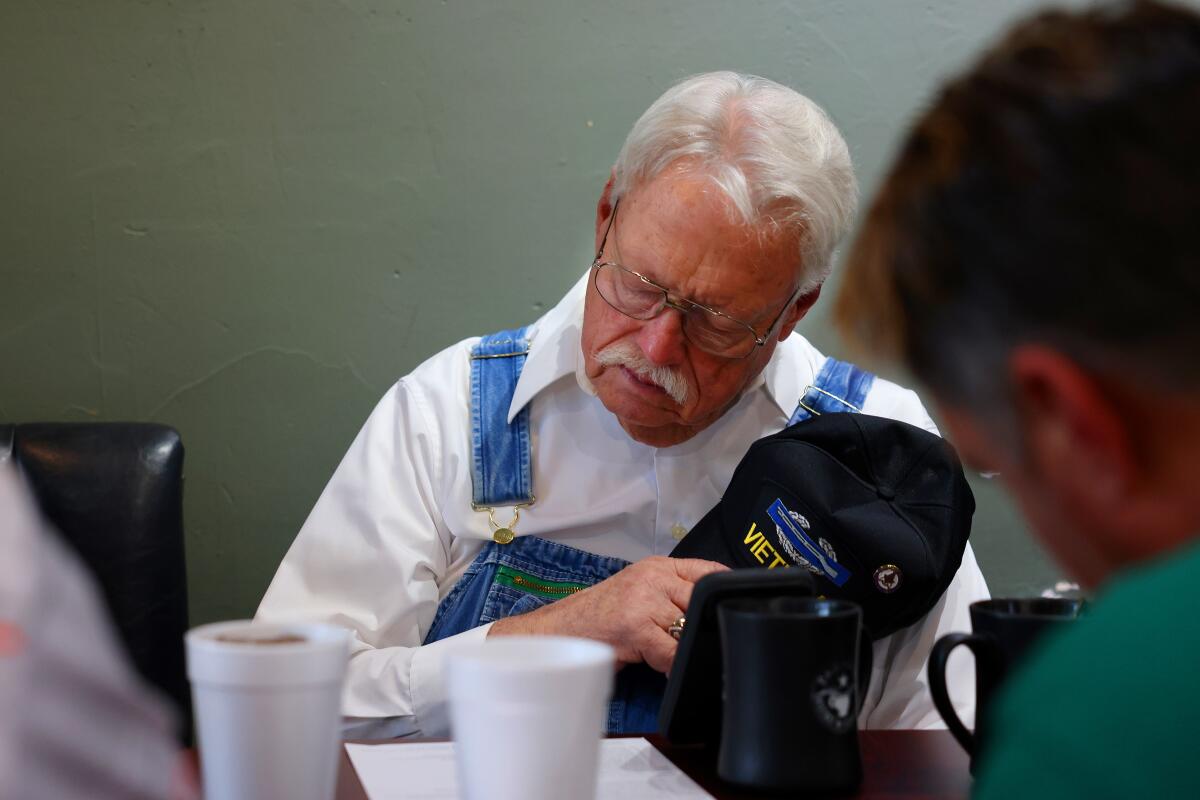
677, 197
682, 231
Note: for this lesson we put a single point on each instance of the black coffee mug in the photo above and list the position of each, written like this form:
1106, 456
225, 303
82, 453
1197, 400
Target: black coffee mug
1004, 631
792, 693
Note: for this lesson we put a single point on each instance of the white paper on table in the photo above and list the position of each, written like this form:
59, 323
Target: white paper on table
629, 769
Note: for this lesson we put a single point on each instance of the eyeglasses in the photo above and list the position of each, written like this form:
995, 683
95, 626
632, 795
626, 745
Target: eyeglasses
640, 298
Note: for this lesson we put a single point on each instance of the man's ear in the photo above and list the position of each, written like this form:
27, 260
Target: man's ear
1075, 435
604, 209
797, 312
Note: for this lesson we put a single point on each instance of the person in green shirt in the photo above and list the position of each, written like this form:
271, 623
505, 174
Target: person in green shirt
1033, 256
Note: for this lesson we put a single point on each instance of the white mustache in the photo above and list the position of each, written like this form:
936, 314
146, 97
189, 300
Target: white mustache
625, 354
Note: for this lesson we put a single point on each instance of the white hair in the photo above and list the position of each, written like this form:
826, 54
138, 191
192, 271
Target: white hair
773, 152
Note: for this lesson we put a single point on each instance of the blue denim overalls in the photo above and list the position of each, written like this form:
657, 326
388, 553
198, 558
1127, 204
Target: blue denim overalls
512, 575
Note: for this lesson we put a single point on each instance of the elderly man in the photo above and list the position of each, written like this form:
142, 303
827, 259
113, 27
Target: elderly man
1033, 258
562, 461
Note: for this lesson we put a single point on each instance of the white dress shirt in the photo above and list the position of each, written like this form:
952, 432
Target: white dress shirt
394, 529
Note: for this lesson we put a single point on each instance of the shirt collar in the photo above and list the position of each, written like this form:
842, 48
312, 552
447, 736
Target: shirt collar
554, 349
554, 353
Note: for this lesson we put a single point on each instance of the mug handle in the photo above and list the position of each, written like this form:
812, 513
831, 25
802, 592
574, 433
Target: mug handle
984, 649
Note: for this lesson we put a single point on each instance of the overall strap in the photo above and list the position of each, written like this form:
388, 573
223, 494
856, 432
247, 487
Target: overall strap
839, 387
501, 464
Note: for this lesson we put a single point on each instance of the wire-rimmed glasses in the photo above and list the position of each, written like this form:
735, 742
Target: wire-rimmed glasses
640, 298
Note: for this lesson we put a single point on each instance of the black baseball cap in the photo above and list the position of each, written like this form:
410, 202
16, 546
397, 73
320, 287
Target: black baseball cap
878, 510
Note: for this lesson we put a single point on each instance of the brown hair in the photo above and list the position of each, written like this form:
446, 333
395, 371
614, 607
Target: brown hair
1052, 193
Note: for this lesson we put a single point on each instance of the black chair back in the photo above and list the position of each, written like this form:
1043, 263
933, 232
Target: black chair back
115, 492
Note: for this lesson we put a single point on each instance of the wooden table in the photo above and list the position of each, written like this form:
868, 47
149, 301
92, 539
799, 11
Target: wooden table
896, 764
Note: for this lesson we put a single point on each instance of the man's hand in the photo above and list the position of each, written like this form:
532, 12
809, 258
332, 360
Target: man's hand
630, 611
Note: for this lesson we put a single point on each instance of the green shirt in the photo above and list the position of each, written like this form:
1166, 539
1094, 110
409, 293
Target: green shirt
1111, 707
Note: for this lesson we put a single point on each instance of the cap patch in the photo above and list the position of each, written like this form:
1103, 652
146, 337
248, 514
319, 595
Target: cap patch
760, 548
818, 558
887, 578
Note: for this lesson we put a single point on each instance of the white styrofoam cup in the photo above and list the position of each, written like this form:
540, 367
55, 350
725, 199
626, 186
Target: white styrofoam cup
268, 716
527, 715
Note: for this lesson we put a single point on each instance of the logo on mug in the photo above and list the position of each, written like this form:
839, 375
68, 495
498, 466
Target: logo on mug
833, 698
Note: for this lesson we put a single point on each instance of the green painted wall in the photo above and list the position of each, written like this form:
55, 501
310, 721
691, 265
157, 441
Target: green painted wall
247, 218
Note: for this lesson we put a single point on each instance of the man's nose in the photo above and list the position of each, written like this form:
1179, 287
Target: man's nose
662, 339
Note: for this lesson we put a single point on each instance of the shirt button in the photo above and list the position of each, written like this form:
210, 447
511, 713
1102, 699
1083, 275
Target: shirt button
678, 531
